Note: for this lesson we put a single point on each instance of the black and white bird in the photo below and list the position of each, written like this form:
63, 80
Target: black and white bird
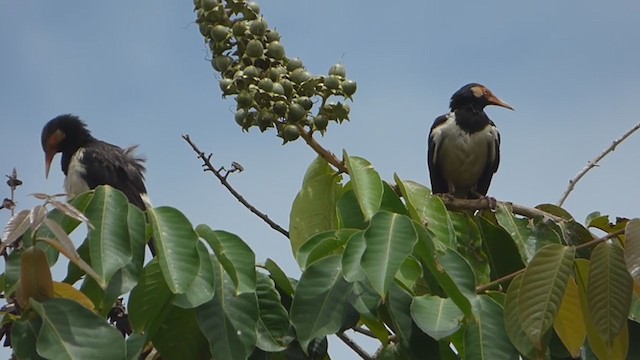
88, 162
464, 145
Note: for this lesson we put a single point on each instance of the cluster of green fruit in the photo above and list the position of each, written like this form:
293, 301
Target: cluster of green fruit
271, 90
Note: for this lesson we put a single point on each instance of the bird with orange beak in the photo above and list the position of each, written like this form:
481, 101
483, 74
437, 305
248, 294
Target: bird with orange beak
464, 145
88, 162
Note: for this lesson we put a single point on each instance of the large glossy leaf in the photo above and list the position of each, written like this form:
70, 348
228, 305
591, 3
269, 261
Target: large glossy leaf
519, 230
609, 290
469, 245
236, 257
320, 245
59, 337
542, 288
12, 271
352, 257
389, 240
179, 336
135, 344
24, 334
611, 351
366, 184
348, 210
570, 323
35, 277
319, 302
109, 246
18, 224
273, 323
314, 208
279, 277
428, 210
149, 298
175, 242
229, 321
391, 201
513, 325
201, 289
485, 338
503, 252
436, 316
632, 249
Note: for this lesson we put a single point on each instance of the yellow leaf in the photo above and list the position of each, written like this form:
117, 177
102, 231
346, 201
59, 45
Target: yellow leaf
569, 324
35, 277
66, 291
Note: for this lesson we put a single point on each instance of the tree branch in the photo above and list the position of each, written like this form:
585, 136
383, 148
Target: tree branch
326, 154
593, 163
223, 180
485, 204
355, 347
482, 288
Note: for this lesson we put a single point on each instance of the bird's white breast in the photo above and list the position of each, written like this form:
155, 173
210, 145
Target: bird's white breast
74, 183
463, 156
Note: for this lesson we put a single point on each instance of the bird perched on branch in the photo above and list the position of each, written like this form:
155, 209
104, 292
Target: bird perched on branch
464, 145
88, 162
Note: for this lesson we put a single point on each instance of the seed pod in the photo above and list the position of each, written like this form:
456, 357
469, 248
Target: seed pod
332, 82
265, 84
219, 33
349, 87
293, 64
258, 27
304, 101
272, 35
251, 72
320, 122
239, 28
275, 50
338, 70
300, 75
280, 108
290, 133
254, 49
244, 99
296, 113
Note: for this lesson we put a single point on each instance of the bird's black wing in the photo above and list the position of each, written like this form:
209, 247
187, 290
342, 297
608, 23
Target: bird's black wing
106, 164
438, 183
492, 166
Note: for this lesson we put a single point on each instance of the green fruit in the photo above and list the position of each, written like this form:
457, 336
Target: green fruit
205, 29
300, 75
265, 119
221, 62
280, 108
265, 84
320, 122
241, 116
274, 73
254, 49
275, 50
209, 4
251, 72
332, 82
290, 133
239, 28
272, 35
244, 99
349, 87
338, 70
288, 87
254, 7
225, 84
293, 64
278, 89
296, 113
304, 101
258, 27
219, 33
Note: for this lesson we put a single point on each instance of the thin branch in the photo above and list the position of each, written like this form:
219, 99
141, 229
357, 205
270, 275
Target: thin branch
593, 163
223, 180
363, 331
482, 288
486, 204
355, 347
326, 154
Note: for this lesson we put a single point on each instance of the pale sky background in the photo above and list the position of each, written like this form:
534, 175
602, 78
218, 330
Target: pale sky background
136, 71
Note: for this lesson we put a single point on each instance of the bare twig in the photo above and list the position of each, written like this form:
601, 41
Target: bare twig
223, 180
593, 163
355, 347
485, 204
13, 183
363, 331
326, 154
482, 288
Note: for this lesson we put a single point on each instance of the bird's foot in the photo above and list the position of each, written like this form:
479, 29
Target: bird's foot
446, 197
493, 203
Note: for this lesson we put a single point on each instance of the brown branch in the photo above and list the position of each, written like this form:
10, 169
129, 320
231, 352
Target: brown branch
326, 154
223, 180
482, 288
593, 163
355, 347
486, 204
363, 331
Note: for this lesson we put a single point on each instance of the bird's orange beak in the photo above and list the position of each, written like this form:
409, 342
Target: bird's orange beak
48, 157
493, 100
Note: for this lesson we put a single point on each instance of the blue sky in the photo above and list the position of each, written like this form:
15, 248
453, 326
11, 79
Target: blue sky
136, 71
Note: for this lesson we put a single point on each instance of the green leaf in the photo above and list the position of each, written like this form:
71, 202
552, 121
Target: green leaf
279, 277
543, 286
570, 323
503, 252
179, 337
349, 213
24, 334
436, 316
512, 323
314, 208
236, 257
632, 248
319, 302
366, 184
389, 240
273, 323
175, 242
469, 245
352, 256
135, 344
109, 245
59, 337
12, 271
427, 209
486, 338
391, 201
201, 289
460, 271
609, 290
229, 321
602, 223
410, 272
318, 246
149, 298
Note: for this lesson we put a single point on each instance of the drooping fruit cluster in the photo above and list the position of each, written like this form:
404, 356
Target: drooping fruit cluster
270, 89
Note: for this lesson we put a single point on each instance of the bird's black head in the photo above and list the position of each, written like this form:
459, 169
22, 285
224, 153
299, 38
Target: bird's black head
64, 133
476, 97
